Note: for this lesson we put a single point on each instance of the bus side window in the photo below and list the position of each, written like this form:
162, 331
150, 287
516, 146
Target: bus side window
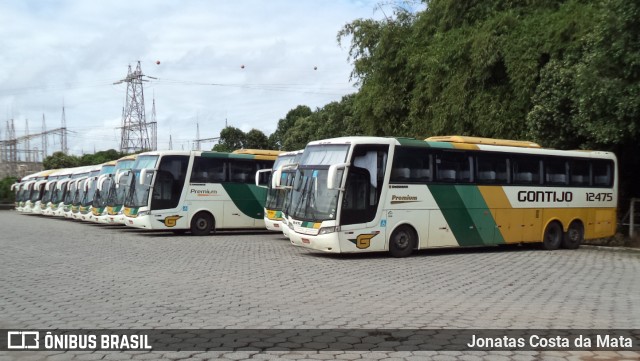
491, 168
241, 171
411, 165
555, 171
602, 173
453, 167
526, 170
580, 174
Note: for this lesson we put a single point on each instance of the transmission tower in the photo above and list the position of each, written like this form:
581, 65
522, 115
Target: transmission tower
135, 129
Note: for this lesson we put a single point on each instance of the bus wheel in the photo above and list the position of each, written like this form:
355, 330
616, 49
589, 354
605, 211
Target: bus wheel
402, 242
201, 224
574, 236
552, 236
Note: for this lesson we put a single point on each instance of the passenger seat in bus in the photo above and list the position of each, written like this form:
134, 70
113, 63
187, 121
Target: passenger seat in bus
420, 174
400, 174
487, 176
447, 175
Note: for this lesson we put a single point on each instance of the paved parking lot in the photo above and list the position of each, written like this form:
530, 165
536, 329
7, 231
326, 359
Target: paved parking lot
56, 273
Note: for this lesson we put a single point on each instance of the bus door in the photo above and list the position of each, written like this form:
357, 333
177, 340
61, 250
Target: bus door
360, 220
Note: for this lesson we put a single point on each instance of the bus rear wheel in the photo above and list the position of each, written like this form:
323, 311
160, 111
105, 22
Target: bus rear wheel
402, 242
552, 236
574, 236
201, 224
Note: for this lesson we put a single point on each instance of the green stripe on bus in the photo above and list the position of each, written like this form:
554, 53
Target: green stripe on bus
454, 209
480, 214
248, 198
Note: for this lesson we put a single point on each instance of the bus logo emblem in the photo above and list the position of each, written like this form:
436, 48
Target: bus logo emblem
170, 221
363, 241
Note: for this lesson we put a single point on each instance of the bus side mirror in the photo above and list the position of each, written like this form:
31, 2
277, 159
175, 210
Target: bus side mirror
332, 173
275, 178
102, 179
120, 174
87, 184
258, 174
143, 175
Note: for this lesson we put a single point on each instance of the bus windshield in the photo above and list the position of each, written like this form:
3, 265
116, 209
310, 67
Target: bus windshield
118, 192
311, 200
139, 193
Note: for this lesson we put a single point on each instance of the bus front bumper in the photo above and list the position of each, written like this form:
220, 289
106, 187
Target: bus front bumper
325, 243
273, 225
143, 222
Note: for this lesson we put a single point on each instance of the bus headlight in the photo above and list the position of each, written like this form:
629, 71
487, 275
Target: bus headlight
143, 213
327, 230
284, 221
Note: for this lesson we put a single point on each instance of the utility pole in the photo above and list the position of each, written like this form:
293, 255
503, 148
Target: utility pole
44, 138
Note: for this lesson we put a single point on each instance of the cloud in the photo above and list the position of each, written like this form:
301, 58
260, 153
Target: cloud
73, 51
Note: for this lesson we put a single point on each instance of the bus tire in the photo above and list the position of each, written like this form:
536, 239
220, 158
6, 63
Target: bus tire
574, 236
402, 241
552, 236
201, 224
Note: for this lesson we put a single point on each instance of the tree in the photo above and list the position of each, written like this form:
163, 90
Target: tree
277, 138
231, 139
256, 139
5, 189
60, 160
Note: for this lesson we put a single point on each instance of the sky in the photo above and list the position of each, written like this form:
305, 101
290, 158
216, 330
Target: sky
243, 63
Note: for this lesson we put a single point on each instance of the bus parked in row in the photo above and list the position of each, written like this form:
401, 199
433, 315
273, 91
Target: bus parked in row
73, 190
359, 194
198, 191
35, 190
86, 204
54, 192
283, 166
109, 197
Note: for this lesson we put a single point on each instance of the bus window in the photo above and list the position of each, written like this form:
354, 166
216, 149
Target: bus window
555, 171
579, 171
411, 165
241, 172
526, 170
208, 170
491, 168
602, 173
453, 167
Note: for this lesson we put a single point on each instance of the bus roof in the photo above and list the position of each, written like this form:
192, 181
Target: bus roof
472, 144
128, 157
485, 141
273, 153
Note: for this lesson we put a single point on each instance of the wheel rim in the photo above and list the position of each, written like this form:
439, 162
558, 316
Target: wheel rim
202, 224
553, 235
402, 240
574, 235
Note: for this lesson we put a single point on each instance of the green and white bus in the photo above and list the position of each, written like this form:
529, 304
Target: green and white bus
283, 167
198, 191
358, 194
105, 200
72, 193
55, 191
91, 185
